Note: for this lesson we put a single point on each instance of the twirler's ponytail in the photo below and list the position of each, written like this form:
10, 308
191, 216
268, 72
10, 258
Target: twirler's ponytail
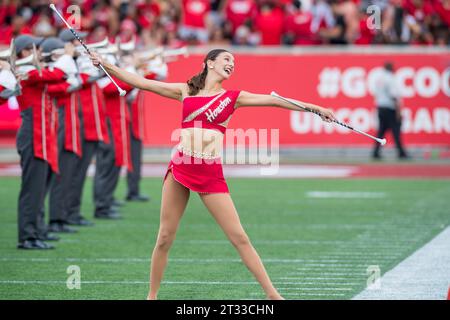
197, 82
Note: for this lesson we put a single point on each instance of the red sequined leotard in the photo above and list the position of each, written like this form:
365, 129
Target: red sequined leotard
197, 163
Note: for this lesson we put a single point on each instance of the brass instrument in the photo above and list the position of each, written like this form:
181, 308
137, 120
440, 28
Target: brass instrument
10, 56
163, 53
80, 49
6, 55
25, 61
36, 61
101, 44
118, 47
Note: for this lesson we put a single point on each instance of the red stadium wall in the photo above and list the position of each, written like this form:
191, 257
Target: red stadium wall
337, 80
340, 81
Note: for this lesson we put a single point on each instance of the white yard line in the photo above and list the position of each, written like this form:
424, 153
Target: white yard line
317, 278
306, 294
319, 289
324, 262
345, 195
425, 275
138, 282
291, 171
321, 284
314, 294
348, 274
315, 269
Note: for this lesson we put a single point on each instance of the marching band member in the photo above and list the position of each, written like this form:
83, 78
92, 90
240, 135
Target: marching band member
65, 94
110, 158
94, 130
8, 83
36, 144
154, 69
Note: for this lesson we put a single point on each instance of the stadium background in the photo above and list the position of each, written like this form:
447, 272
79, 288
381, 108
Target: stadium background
315, 246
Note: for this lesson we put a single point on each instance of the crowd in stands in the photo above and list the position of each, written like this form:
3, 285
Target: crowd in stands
176, 23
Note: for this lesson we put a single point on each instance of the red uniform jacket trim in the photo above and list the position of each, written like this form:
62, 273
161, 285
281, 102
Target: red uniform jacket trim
138, 112
93, 109
118, 113
71, 103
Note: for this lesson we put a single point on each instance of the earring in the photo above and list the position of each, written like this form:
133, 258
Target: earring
211, 67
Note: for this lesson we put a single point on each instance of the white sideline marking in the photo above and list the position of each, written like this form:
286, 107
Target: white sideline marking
318, 289
314, 269
233, 170
334, 265
363, 254
345, 195
349, 274
290, 171
324, 289
304, 294
316, 278
314, 294
425, 275
330, 286
11, 171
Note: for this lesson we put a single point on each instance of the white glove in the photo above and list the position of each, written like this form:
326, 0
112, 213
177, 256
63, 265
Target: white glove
7, 79
67, 64
111, 59
74, 81
85, 66
103, 82
158, 67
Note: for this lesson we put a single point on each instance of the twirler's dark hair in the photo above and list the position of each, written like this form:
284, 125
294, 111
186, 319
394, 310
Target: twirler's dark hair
197, 82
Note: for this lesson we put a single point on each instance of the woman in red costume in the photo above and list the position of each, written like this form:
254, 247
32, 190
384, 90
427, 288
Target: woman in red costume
207, 108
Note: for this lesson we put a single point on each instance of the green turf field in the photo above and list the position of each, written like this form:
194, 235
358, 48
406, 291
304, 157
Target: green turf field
313, 248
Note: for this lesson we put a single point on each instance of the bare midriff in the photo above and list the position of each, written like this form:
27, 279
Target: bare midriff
201, 142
